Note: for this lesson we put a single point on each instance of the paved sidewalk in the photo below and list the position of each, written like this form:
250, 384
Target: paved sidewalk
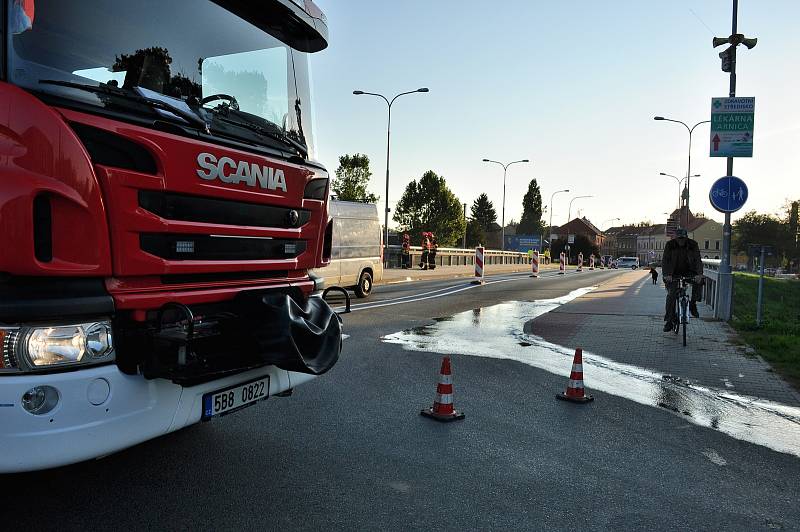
399, 275
622, 320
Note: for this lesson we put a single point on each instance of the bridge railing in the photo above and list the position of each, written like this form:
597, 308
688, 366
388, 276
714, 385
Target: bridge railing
711, 281
457, 256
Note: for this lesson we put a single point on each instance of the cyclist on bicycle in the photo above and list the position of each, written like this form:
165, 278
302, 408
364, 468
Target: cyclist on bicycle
681, 259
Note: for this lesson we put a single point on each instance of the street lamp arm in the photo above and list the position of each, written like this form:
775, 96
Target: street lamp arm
515, 162
378, 95
401, 94
505, 166
697, 124
671, 120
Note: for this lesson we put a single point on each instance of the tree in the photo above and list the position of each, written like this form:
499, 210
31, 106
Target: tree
483, 212
531, 222
352, 178
755, 228
428, 205
475, 234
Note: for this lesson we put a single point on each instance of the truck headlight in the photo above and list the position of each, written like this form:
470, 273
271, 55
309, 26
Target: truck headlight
34, 348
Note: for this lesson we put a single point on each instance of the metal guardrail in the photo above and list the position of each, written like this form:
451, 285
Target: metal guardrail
456, 256
711, 281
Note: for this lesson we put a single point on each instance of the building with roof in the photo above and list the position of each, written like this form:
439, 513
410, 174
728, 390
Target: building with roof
650, 242
581, 226
708, 235
622, 241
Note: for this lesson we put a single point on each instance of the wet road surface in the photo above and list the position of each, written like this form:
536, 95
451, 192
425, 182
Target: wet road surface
499, 332
349, 451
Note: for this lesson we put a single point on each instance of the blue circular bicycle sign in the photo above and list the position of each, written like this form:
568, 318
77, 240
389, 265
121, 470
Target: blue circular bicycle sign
728, 194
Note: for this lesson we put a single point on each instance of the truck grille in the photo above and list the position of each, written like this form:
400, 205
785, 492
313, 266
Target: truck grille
218, 247
186, 208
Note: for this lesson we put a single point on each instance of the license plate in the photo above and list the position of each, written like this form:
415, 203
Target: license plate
235, 397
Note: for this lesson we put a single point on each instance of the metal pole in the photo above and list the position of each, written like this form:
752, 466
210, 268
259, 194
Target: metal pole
760, 287
464, 243
503, 229
386, 214
550, 226
388, 137
725, 301
689, 173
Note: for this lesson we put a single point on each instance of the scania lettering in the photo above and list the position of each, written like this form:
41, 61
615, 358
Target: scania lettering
160, 209
241, 172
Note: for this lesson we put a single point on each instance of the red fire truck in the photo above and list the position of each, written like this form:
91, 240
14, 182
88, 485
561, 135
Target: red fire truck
160, 207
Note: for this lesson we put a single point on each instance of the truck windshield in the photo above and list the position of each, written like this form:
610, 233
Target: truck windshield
190, 54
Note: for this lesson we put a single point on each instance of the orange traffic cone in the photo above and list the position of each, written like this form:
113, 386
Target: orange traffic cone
575, 391
442, 409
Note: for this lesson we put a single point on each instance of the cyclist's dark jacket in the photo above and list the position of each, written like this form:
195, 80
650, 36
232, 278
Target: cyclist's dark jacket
679, 260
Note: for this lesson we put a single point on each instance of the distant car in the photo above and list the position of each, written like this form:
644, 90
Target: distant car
627, 262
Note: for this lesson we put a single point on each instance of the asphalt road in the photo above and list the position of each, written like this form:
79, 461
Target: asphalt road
349, 451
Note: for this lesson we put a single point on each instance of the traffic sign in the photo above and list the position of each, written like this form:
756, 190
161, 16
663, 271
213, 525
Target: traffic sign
732, 122
728, 194
672, 226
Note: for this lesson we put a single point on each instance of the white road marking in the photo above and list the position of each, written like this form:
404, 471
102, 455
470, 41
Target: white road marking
714, 457
442, 292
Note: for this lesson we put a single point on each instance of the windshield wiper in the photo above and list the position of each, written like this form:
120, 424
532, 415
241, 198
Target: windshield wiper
274, 135
150, 102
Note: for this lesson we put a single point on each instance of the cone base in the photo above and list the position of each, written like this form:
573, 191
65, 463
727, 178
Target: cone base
428, 412
585, 399
478, 282
534, 276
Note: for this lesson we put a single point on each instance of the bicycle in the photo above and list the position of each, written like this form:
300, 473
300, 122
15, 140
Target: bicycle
682, 303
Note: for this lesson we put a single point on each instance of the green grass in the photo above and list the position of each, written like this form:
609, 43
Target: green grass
778, 340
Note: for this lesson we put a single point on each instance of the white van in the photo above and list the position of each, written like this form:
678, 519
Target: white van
628, 262
356, 247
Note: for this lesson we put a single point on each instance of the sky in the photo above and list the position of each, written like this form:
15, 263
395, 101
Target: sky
571, 85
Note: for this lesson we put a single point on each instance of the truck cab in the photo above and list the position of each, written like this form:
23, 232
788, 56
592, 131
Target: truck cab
160, 209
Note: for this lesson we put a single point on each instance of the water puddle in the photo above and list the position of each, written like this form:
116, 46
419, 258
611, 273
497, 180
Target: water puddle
497, 332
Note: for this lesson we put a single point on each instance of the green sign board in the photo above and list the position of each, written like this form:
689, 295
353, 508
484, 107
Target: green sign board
732, 122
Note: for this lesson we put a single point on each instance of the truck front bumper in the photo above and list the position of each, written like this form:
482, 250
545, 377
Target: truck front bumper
102, 410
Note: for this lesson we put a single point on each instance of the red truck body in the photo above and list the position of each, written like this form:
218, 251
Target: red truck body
159, 215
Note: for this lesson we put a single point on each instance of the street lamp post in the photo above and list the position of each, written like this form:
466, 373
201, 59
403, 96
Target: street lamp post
689, 168
550, 227
679, 180
388, 135
503, 218
569, 212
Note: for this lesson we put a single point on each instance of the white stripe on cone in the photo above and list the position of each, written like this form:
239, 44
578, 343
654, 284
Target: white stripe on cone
445, 379
575, 384
447, 398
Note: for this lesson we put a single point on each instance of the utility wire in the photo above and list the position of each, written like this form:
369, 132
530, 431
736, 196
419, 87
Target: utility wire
701, 21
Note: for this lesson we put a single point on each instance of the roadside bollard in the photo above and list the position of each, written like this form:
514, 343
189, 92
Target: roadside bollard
535, 264
580, 262
591, 261
602, 263
561, 264
478, 265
